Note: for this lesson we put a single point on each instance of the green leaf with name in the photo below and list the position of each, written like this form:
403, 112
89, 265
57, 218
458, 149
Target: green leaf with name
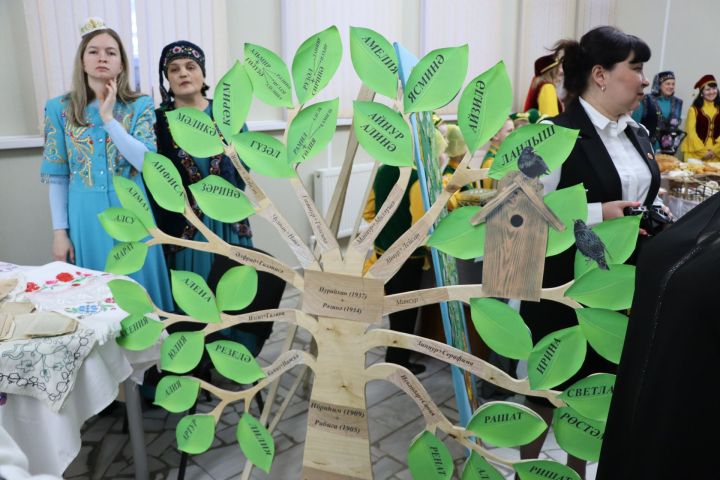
231, 100
619, 236
138, 332
221, 200
506, 424
176, 394
551, 142
383, 133
126, 258
568, 204
194, 296
501, 327
237, 288
315, 62
163, 180
484, 106
429, 458
612, 289
256, 442
604, 330
374, 60
311, 130
130, 296
436, 79
180, 352
591, 395
122, 224
264, 154
577, 434
194, 131
455, 235
477, 468
234, 361
556, 357
269, 76
131, 196
544, 469
195, 433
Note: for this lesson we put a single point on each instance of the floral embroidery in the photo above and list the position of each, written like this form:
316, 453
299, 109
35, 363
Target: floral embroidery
80, 152
31, 287
64, 277
51, 150
88, 309
61, 280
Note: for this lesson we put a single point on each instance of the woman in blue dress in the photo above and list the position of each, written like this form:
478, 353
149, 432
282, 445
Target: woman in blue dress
99, 129
183, 64
660, 112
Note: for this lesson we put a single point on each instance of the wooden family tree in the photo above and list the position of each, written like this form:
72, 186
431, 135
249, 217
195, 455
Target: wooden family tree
341, 302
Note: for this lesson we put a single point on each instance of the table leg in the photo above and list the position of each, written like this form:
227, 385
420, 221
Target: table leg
135, 425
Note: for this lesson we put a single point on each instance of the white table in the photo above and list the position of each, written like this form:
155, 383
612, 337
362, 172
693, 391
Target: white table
51, 439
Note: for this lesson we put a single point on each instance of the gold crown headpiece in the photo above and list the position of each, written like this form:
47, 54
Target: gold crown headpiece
92, 24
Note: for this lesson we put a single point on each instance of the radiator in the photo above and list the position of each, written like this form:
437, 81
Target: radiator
324, 181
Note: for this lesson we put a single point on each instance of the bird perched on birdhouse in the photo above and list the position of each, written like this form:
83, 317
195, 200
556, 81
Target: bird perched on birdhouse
532, 164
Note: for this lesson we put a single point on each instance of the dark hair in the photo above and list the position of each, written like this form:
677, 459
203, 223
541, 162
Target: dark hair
605, 46
698, 102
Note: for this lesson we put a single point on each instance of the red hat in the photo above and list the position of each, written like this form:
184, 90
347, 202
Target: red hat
543, 64
705, 80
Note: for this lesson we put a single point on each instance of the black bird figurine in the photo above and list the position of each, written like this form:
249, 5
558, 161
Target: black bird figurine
590, 244
532, 164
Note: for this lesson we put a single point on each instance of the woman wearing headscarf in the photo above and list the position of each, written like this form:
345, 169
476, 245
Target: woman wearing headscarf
703, 123
182, 63
98, 130
660, 112
543, 93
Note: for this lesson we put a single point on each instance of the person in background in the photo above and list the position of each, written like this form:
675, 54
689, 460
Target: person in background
613, 158
543, 93
495, 142
183, 64
703, 123
98, 130
660, 112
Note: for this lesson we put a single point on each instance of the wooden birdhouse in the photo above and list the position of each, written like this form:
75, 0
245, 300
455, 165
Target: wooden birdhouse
516, 238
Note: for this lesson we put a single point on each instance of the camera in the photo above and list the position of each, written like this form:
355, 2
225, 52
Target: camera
653, 220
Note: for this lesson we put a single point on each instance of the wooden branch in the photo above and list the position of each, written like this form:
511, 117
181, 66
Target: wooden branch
285, 315
328, 246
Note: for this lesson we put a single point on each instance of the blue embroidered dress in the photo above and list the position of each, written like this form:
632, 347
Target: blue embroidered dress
87, 158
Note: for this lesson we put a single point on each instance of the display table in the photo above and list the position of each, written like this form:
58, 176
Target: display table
53, 385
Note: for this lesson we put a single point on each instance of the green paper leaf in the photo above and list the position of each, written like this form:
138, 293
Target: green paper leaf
619, 236
231, 100
506, 424
194, 296
315, 63
264, 154
194, 131
477, 468
455, 235
163, 180
612, 289
484, 106
383, 133
237, 288
122, 224
436, 79
501, 328
578, 435
311, 130
374, 60
195, 433
555, 358
131, 296
568, 204
269, 76
591, 396
256, 442
234, 361
604, 330
544, 469
221, 200
126, 258
132, 197
181, 351
176, 394
138, 332
429, 458
552, 142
